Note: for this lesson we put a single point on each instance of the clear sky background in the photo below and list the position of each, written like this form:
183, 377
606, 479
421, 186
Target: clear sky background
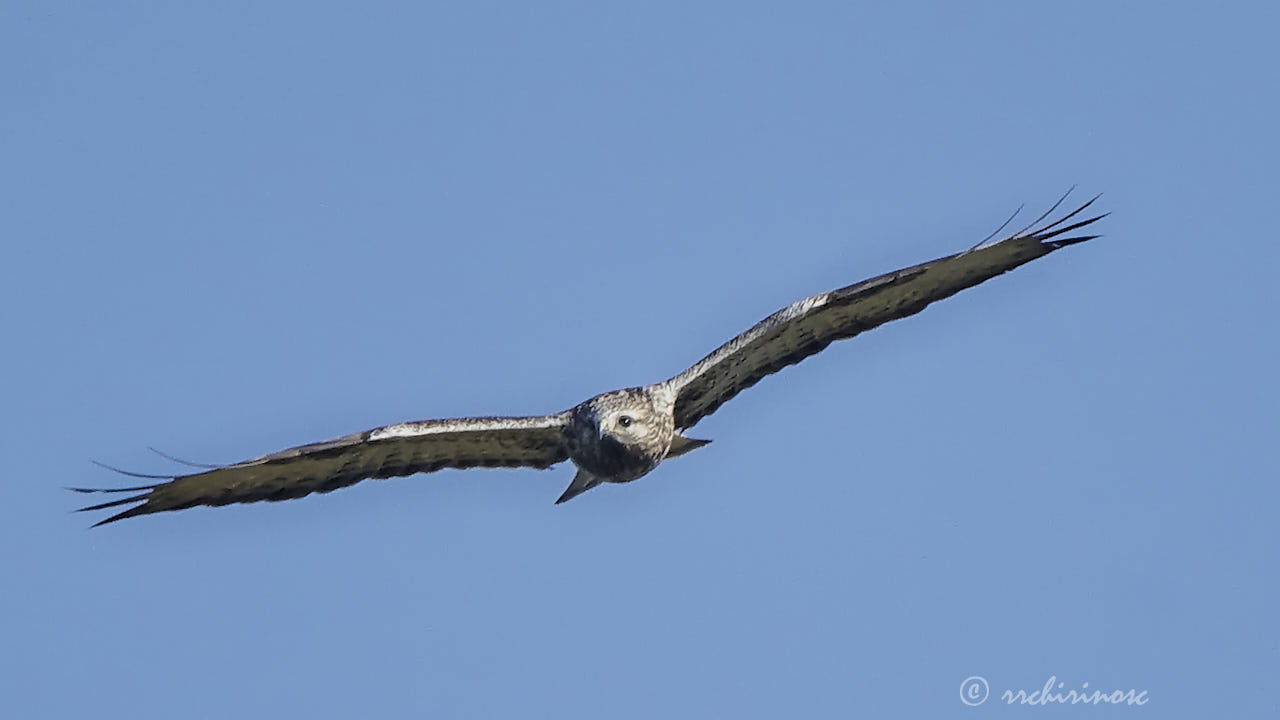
233, 229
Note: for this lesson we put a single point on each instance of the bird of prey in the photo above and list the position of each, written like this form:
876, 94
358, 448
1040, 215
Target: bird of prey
617, 436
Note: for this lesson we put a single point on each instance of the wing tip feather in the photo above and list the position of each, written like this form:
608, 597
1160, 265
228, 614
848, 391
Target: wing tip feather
1059, 244
131, 512
141, 509
1045, 235
144, 495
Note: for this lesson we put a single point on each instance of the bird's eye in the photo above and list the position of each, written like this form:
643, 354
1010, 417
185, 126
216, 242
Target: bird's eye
624, 420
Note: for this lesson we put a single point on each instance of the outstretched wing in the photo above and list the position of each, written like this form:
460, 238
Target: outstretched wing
384, 452
806, 327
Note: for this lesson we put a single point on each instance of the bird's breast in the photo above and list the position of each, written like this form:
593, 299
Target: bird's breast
610, 459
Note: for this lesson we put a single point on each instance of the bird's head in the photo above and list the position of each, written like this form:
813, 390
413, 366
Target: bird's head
631, 417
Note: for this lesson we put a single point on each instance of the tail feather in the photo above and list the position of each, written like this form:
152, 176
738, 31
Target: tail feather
582, 482
681, 445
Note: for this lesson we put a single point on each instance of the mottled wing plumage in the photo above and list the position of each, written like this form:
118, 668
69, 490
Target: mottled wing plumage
806, 327
391, 451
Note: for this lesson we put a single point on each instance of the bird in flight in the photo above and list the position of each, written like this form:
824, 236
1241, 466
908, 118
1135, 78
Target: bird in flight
617, 436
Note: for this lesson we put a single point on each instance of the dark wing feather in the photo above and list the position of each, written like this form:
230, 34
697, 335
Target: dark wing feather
391, 451
806, 327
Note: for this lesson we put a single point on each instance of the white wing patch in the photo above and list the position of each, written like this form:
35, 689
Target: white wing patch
438, 427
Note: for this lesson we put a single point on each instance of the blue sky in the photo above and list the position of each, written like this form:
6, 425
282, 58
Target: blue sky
233, 229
